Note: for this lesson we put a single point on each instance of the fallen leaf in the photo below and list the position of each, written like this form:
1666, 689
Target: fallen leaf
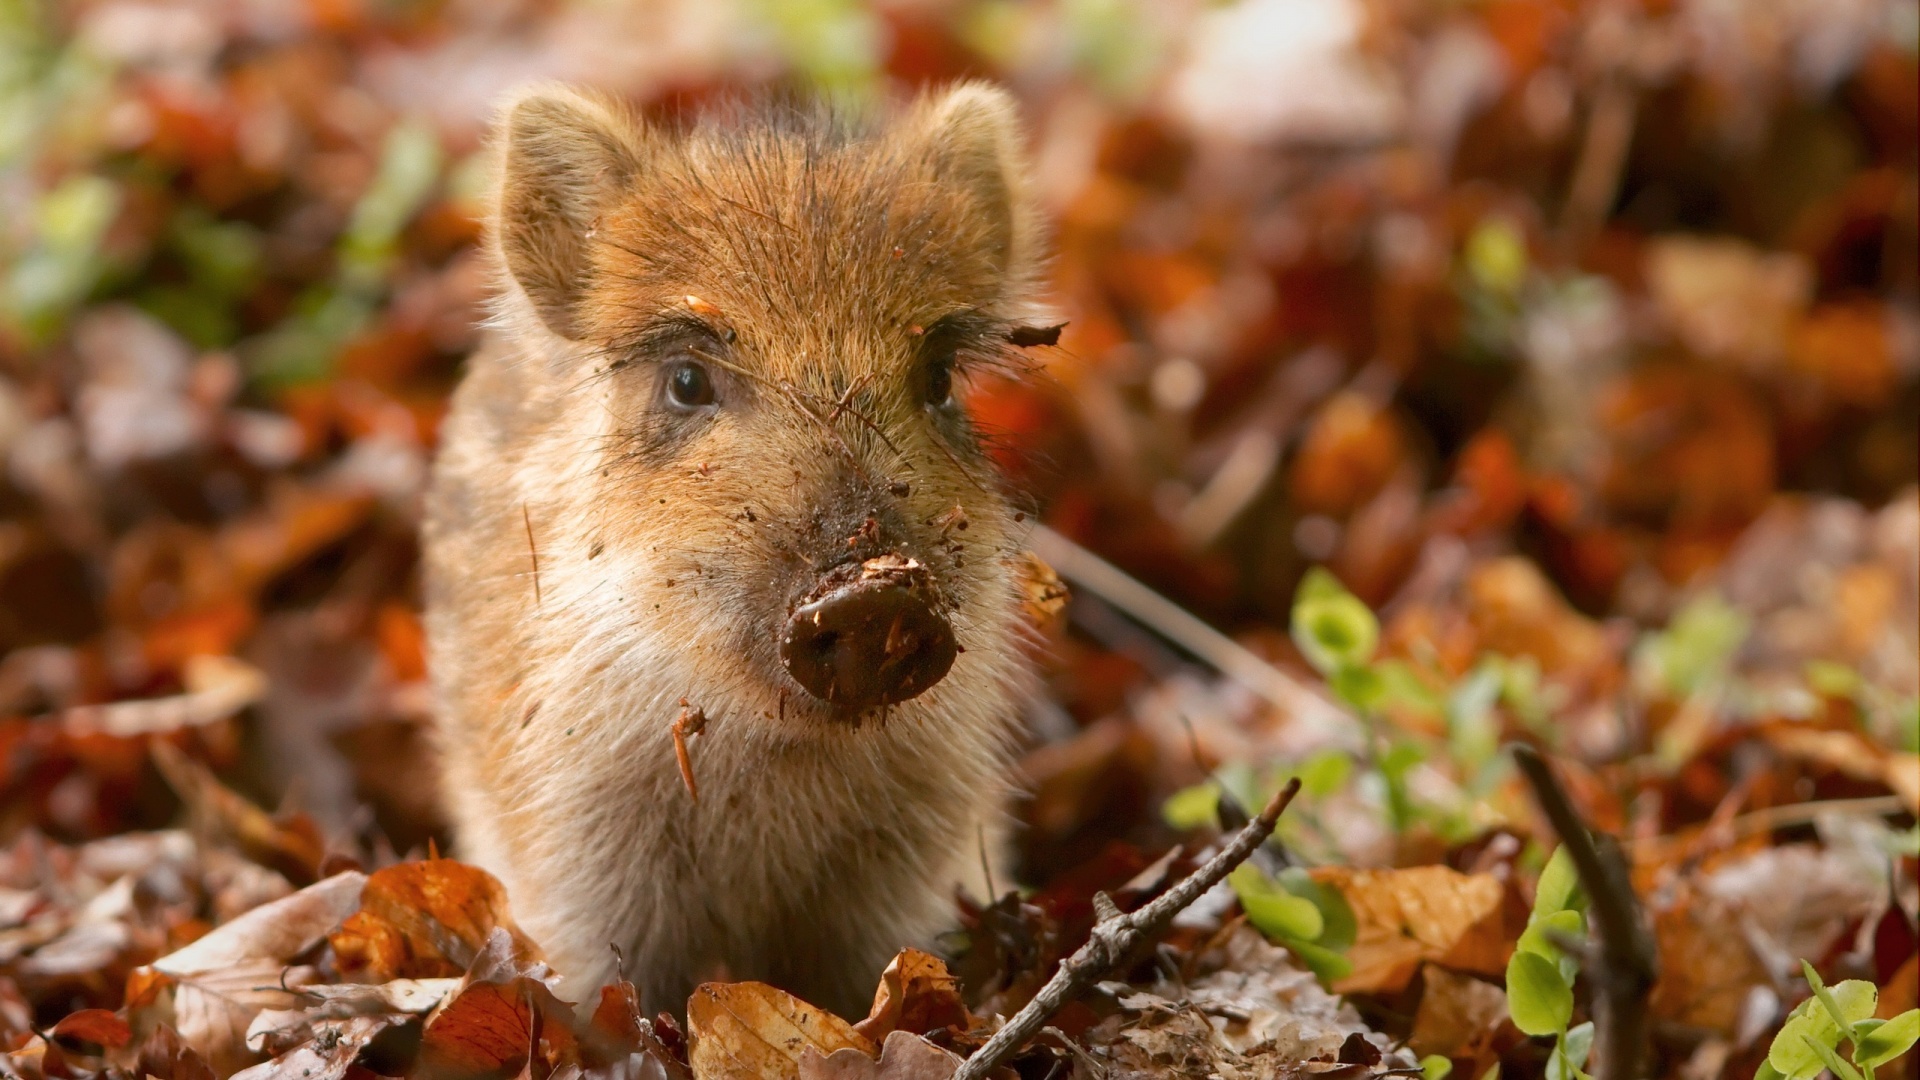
217, 687
1457, 1013
750, 1029
279, 931
496, 1029
903, 1056
222, 980
95, 1026
294, 847
1422, 913
1711, 987
327, 1056
425, 920
918, 994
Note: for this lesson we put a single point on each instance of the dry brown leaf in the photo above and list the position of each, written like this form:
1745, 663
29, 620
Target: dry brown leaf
750, 1029
1422, 913
277, 931
222, 980
918, 994
294, 847
1457, 1013
498, 1029
1710, 988
95, 1026
1849, 753
425, 920
275, 1030
217, 687
327, 1056
903, 1056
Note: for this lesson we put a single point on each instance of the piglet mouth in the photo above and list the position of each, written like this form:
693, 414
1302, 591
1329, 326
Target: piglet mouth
868, 634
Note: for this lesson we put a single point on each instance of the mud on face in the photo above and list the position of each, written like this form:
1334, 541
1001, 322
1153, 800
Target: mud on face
775, 324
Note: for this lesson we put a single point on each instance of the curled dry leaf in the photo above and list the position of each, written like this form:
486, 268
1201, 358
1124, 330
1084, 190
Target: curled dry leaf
217, 984
499, 1029
916, 994
327, 1056
1422, 913
618, 1030
425, 920
274, 1030
748, 1030
95, 1026
903, 1056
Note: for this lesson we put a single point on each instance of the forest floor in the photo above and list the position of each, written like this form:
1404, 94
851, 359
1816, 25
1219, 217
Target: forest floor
1491, 373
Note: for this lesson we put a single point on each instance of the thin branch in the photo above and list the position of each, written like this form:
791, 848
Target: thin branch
1176, 624
1625, 964
1115, 937
1768, 818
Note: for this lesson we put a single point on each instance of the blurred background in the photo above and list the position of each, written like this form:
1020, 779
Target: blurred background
1580, 341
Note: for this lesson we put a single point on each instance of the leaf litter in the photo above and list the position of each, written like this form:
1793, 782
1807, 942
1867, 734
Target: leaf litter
1577, 344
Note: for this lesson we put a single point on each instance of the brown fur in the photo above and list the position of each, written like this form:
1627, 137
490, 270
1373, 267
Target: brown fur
671, 547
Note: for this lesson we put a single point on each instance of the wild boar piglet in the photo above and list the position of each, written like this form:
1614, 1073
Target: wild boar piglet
709, 460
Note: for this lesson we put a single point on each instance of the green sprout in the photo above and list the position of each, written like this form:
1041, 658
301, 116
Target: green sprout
1810, 1039
1541, 972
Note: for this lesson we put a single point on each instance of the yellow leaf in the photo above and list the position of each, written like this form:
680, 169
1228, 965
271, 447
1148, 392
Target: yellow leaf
752, 1031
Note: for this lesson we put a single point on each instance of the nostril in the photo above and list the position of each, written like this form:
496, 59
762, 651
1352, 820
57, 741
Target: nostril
868, 635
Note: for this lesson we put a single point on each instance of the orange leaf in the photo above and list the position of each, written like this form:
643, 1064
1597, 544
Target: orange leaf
918, 994
1422, 913
494, 1028
95, 1026
425, 920
752, 1030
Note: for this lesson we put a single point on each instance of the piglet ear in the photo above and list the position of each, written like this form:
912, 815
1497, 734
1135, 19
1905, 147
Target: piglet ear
565, 157
972, 138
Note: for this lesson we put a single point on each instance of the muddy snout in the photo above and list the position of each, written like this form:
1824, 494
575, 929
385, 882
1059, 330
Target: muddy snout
868, 635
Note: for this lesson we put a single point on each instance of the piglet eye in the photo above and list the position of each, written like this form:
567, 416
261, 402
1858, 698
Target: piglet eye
940, 381
689, 386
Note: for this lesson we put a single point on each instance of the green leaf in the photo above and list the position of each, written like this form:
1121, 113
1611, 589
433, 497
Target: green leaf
1328, 966
1694, 648
1570, 1053
1196, 807
1538, 999
1831, 1059
1360, 687
1559, 886
1888, 1041
1333, 629
1273, 910
1859, 1004
1541, 932
1325, 773
1340, 926
1766, 1071
1812, 1021
1435, 1067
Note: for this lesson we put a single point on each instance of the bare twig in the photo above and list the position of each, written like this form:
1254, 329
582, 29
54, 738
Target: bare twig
1176, 624
1625, 965
1116, 935
1768, 818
